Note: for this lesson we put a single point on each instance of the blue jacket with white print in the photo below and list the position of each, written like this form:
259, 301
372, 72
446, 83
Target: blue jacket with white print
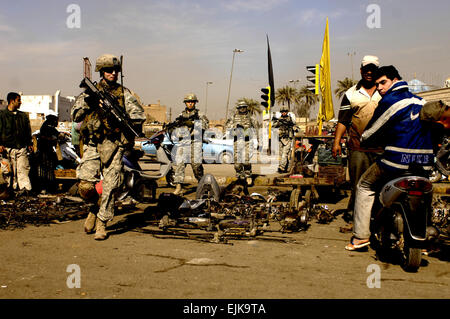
396, 126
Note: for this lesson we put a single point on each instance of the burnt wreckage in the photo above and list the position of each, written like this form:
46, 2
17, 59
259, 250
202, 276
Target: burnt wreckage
233, 212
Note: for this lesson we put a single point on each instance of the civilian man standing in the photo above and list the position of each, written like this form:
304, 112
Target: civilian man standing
15, 141
356, 110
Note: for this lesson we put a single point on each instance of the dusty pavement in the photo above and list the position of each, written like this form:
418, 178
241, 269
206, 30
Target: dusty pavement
139, 261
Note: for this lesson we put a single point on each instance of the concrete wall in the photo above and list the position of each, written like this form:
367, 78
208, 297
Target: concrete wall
156, 111
435, 95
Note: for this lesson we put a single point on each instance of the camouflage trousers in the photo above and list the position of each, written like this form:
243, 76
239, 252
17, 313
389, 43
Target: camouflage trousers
285, 148
91, 169
242, 155
20, 168
188, 153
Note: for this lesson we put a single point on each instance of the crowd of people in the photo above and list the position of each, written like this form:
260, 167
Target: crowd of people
378, 106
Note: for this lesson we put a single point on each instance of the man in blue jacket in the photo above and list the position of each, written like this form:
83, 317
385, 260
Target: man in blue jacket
396, 126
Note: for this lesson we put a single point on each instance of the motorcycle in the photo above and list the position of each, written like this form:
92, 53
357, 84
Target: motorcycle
138, 183
400, 218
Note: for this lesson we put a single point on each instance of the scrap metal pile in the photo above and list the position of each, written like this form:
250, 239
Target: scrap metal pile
440, 216
17, 213
233, 212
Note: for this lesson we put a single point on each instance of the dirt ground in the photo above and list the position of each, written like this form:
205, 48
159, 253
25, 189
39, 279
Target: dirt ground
139, 261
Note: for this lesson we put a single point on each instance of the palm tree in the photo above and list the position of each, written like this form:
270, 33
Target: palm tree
301, 110
286, 94
343, 86
253, 105
305, 99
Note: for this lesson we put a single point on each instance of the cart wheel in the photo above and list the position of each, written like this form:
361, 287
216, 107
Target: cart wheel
308, 199
295, 199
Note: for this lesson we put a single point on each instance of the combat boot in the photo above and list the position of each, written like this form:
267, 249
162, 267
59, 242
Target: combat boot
100, 231
89, 224
178, 190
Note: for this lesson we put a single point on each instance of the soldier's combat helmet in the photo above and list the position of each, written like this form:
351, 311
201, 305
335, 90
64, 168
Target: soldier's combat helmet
107, 61
191, 97
241, 105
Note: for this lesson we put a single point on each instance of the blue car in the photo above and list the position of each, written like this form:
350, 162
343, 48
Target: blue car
212, 152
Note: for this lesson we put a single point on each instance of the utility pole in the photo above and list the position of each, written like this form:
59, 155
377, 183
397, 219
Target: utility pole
229, 86
351, 62
206, 100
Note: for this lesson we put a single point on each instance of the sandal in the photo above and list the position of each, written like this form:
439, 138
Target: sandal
353, 246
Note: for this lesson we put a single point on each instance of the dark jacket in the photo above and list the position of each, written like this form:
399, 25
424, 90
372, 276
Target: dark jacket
396, 125
15, 129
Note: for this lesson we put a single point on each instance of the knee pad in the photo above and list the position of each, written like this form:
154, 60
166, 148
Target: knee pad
88, 192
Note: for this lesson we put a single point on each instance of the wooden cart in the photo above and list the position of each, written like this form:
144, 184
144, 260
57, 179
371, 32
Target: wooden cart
331, 173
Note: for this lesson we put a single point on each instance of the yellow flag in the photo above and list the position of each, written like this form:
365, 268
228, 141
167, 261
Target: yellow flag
326, 110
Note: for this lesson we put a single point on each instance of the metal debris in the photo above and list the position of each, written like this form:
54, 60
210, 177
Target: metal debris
18, 212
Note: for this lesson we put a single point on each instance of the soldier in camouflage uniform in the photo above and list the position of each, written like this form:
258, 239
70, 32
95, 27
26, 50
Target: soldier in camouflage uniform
285, 125
244, 128
104, 144
188, 131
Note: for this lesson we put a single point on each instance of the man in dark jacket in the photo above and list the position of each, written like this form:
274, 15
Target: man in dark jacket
15, 142
396, 126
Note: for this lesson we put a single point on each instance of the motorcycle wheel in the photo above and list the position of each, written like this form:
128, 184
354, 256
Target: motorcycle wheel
412, 257
170, 178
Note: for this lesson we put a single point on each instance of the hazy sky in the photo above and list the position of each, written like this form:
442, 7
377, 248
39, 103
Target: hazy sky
174, 47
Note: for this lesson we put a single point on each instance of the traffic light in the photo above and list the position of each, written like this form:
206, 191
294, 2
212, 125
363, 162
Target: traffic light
314, 79
266, 97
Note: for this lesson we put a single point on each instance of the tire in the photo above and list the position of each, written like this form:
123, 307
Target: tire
295, 198
225, 158
412, 258
308, 200
170, 178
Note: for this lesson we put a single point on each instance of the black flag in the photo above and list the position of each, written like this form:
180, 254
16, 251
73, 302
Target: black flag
270, 71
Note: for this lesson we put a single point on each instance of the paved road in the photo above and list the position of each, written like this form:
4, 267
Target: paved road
140, 261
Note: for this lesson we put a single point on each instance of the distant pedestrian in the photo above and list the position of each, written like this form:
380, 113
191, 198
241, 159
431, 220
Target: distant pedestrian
47, 159
16, 142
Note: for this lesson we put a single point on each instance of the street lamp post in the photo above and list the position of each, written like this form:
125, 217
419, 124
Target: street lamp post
206, 100
351, 61
229, 86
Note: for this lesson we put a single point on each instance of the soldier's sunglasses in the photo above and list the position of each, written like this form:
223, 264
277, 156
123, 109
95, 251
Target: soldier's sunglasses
111, 70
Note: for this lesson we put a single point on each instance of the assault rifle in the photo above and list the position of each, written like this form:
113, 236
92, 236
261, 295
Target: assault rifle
110, 107
284, 122
182, 121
